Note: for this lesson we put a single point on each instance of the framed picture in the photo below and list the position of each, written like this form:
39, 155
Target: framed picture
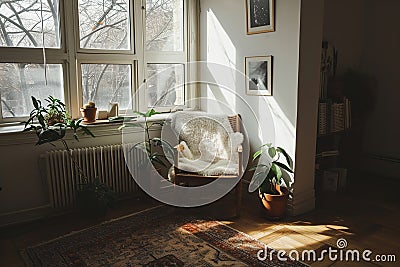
260, 16
258, 72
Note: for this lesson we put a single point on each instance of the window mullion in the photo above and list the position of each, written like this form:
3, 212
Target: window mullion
70, 18
140, 37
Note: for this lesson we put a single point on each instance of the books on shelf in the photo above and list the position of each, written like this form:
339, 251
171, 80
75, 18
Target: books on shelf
337, 117
335, 180
328, 153
333, 117
322, 118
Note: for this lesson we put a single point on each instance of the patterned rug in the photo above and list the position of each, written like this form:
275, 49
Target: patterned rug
156, 237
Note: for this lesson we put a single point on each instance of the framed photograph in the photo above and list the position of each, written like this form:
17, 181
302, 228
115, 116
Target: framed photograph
260, 16
258, 72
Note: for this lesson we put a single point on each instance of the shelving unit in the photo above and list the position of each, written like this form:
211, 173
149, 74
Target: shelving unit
334, 119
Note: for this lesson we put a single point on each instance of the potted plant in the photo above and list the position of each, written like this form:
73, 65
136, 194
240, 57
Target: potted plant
268, 179
151, 145
50, 123
89, 112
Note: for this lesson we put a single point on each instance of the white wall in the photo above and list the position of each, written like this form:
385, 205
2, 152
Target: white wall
381, 57
367, 38
344, 23
25, 194
223, 40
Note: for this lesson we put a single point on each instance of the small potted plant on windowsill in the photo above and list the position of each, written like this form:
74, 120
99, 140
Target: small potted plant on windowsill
89, 112
50, 123
268, 179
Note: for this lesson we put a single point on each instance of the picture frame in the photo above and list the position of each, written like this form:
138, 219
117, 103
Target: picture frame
260, 16
258, 71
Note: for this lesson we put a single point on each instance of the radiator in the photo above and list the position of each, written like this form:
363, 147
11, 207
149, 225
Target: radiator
105, 162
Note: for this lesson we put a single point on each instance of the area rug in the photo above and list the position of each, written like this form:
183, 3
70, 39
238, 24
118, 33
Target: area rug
160, 236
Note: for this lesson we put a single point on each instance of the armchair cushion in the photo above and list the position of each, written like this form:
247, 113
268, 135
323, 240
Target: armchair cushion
210, 140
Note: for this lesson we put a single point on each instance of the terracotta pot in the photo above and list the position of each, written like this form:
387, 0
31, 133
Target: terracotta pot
89, 114
275, 205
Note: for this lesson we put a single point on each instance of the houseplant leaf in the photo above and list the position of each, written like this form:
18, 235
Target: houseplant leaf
272, 152
277, 171
287, 157
257, 180
283, 166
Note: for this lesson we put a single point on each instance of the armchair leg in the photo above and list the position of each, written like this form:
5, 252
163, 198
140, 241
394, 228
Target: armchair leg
238, 192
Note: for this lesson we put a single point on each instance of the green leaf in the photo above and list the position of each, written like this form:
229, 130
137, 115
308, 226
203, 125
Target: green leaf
86, 131
287, 157
140, 113
35, 102
78, 122
259, 165
27, 129
283, 166
49, 135
268, 145
277, 171
257, 154
41, 120
272, 152
29, 121
150, 113
256, 181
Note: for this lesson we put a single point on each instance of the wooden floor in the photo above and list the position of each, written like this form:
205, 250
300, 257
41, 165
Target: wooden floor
367, 217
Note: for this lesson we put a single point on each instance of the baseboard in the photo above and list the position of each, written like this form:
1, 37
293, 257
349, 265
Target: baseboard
45, 211
26, 215
382, 166
301, 202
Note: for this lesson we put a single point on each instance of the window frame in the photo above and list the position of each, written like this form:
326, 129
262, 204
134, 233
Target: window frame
71, 56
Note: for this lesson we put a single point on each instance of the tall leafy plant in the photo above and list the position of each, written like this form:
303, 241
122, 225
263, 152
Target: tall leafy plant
151, 145
269, 172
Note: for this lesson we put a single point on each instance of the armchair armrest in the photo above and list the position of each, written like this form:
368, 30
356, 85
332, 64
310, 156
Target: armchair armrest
240, 149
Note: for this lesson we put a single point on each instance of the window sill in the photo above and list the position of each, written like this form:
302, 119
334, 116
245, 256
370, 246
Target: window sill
13, 128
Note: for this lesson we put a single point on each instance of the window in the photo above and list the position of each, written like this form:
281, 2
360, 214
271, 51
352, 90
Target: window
165, 85
105, 83
104, 24
164, 25
21, 23
165, 53
116, 47
21, 80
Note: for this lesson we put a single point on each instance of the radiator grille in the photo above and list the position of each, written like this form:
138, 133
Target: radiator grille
105, 162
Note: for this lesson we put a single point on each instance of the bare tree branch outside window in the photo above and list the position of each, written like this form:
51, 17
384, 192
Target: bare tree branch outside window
103, 24
20, 26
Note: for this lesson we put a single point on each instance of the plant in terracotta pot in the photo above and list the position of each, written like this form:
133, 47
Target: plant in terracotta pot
89, 112
268, 179
50, 123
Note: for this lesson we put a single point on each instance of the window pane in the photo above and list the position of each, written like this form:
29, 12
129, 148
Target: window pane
105, 83
164, 25
20, 81
165, 85
104, 24
20, 23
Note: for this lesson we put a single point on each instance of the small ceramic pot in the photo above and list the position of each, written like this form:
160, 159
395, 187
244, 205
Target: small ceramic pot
89, 114
275, 205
